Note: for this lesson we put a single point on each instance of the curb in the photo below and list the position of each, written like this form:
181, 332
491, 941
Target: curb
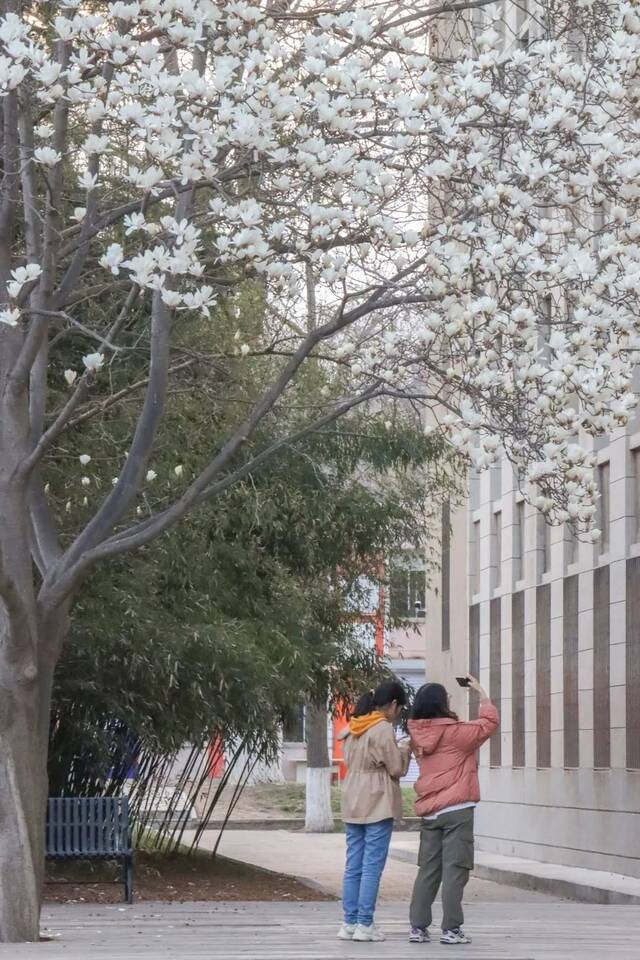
588, 891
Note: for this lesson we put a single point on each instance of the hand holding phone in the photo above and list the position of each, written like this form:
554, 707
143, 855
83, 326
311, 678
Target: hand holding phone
472, 684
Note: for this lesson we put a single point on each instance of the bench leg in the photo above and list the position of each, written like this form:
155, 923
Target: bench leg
128, 880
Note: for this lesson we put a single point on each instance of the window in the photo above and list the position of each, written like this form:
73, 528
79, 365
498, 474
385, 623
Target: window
572, 546
495, 673
519, 543
293, 725
547, 314
570, 686
445, 592
635, 454
496, 548
604, 506
496, 480
475, 557
407, 593
474, 656
544, 544
601, 669
543, 676
517, 679
474, 489
633, 663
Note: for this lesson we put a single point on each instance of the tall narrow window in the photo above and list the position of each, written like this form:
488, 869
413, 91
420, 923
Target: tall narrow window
519, 542
544, 544
604, 514
474, 558
570, 673
474, 655
633, 663
572, 545
636, 494
496, 480
545, 331
445, 592
495, 672
417, 593
543, 676
517, 679
474, 489
407, 593
293, 725
601, 659
496, 548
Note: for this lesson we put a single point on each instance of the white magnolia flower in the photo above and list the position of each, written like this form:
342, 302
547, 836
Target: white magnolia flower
22, 276
93, 361
245, 349
172, 298
178, 470
95, 144
47, 156
10, 317
112, 259
88, 181
70, 376
84, 459
151, 476
85, 481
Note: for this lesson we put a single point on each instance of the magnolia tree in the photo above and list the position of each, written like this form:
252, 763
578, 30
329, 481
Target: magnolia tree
468, 219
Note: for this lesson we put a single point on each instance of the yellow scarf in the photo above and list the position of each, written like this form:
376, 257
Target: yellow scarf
360, 725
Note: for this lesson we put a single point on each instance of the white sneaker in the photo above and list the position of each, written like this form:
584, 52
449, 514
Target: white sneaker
454, 936
346, 931
368, 934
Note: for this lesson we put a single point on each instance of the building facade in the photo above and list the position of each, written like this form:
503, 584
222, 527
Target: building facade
553, 632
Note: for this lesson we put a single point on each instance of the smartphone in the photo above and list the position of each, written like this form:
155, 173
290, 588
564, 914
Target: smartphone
463, 681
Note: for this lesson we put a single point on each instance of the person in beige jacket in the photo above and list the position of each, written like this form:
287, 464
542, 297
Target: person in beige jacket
371, 801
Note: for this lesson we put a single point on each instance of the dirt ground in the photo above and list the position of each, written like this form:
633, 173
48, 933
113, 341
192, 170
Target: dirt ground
173, 877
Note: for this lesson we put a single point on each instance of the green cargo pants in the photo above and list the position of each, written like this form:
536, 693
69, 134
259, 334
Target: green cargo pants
446, 856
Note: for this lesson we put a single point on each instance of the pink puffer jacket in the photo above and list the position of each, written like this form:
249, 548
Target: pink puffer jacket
446, 754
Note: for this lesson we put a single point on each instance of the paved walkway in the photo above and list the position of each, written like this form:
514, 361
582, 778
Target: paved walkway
318, 859
306, 931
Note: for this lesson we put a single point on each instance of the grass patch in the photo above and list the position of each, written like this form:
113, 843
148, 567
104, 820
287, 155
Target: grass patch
288, 800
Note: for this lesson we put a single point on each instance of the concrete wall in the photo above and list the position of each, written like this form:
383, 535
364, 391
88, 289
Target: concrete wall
588, 816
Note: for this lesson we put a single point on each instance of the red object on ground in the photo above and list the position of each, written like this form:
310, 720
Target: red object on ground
216, 759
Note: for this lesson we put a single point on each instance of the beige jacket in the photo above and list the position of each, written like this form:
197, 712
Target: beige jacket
375, 763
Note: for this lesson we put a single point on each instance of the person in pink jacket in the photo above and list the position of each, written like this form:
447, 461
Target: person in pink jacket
448, 790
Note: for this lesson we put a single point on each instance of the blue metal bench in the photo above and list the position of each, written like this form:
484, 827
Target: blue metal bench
91, 828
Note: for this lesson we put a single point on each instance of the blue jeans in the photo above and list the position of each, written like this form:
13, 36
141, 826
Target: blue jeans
367, 849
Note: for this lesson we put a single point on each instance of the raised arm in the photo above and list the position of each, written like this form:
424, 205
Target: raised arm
471, 735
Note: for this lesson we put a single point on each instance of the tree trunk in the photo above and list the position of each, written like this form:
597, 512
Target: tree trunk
24, 727
318, 814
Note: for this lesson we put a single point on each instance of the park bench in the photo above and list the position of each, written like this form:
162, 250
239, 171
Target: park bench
91, 828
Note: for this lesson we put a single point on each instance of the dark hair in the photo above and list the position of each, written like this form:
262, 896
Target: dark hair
432, 702
383, 695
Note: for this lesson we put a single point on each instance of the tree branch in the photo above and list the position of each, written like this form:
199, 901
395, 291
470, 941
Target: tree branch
54, 592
